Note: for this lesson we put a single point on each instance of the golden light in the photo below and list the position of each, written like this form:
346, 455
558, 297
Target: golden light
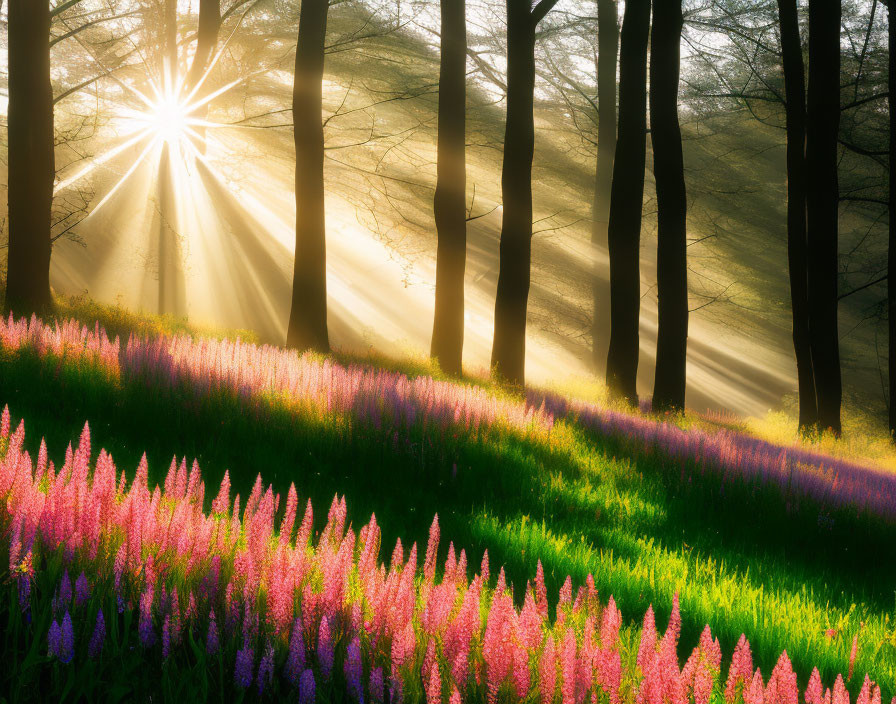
169, 119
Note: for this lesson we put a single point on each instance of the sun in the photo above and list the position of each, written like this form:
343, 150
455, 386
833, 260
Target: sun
169, 119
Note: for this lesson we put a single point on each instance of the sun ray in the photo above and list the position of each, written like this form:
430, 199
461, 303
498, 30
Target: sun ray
100, 161
139, 160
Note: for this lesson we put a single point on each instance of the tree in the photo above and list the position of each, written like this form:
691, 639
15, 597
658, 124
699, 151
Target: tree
308, 317
31, 157
206, 40
607, 51
515, 256
797, 253
450, 196
626, 200
891, 250
671, 195
822, 200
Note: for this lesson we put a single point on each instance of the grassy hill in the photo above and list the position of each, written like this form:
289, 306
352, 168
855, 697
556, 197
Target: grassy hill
583, 501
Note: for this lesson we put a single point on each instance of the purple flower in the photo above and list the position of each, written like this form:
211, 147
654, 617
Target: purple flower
325, 648
242, 675
63, 593
377, 693
99, 635
82, 590
266, 669
211, 639
166, 637
306, 688
354, 670
67, 645
24, 592
147, 637
295, 662
54, 639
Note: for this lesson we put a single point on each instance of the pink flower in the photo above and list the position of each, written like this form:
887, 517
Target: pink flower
547, 671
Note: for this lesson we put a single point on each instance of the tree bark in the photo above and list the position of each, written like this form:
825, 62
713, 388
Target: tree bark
823, 122
169, 45
891, 251
797, 252
206, 40
509, 346
450, 198
308, 317
627, 195
671, 195
32, 165
607, 51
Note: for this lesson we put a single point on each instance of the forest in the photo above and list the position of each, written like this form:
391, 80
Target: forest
576, 315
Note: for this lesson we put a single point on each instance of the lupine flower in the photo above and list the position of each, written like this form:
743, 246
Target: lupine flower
82, 590
852, 656
66, 649
54, 639
376, 686
307, 688
325, 652
434, 685
547, 671
353, 669
266, 669
99, 636
166, 637
211, 638
242, 675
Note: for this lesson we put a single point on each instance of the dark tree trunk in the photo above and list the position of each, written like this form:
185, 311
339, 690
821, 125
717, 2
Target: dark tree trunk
795, 103
607, 51
450, 199
823, 122
308, 317
624, 232
206, 40
32, 165
671, 195
169, 44
891, 252
509, 347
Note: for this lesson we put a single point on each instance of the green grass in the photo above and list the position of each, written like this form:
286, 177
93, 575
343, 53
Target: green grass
581, 504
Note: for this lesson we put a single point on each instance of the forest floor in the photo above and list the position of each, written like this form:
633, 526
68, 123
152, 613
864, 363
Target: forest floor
742, 560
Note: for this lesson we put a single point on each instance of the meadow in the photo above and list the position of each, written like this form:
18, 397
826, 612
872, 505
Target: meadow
786, 545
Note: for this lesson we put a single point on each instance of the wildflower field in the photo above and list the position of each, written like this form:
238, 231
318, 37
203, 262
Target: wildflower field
580, 553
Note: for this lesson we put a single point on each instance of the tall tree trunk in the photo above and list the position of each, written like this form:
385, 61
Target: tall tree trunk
308, 317
450, 199
206, 40
509, 346
626, 201
891, 252
32, 165
607, 51
797, 254
823, 123
671, 195
169, 44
